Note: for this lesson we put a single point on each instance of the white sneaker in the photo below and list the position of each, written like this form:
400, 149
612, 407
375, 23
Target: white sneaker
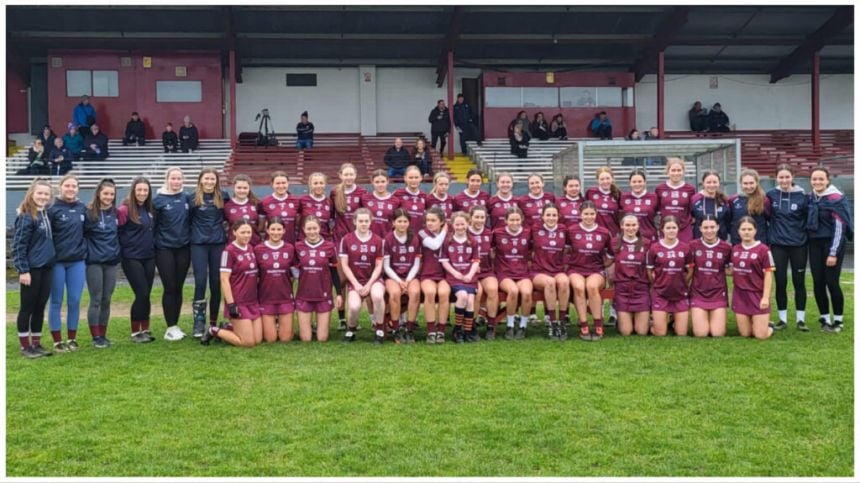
174, 333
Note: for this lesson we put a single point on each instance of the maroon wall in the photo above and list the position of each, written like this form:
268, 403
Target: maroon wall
497, 119
137, 91
16, 103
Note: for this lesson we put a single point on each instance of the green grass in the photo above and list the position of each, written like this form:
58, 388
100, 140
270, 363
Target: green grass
620, 407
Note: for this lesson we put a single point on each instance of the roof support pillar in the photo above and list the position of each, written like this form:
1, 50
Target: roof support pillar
661, 98
816, 100
451, 104
231, 68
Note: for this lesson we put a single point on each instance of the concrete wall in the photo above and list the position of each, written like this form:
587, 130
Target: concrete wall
749, 100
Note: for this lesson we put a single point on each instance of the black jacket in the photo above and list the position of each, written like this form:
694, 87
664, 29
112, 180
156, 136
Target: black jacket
189, 138
463, 115
305, 131
99, 140
717, 120
136, 129
397, 159
439, 120
539, 130
169, 139
520, 148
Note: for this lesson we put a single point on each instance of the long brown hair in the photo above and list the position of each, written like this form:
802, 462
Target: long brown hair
130, 201
621, 242
614, 191
27, 205
402, 213
244, 178
755, 201
339, 195
719, 197
217, 198
95, 207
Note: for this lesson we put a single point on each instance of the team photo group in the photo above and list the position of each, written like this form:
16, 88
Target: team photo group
662, 259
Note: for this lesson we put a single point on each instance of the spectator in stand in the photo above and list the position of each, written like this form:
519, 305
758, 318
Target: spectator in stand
422, 158
653, 134
61, 158
601, 126
169, 139
74, 141
397, 158
521, 120
304, 133
558, 128
520, 142
633, 135
37, 159
134, 131
539, 128
440, 125
718, 121
698, 117
464, 121
47, 136
189, 138
84, 116
96, 144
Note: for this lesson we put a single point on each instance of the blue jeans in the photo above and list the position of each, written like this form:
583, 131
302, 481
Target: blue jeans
304, 143
398, 172
71, 275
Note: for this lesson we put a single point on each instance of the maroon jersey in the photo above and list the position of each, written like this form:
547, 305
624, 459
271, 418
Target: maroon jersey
568, 210
669, 265
241, 264
460, 254
511, 258
532, 208
415, 203
343, 221
446, 204
548, 250
607, 208
676, 201
314, 262
644, 208
362, 255
630, 261
401, 255
484, 243
276, 282
381, 210
287, 209
710, 262
589, 249
498, 207
431, 269
749, 265
464, 201
322, 208
234, 211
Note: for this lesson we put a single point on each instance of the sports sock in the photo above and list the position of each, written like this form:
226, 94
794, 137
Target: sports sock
511, 321
458, 316
612, 312
801, 315
837, 318
135, 326
341, 313
524, 322
783, 315
94, 331
431, 327
73, 334
144, 325
598, 323
24, 339
826, 318
36, 339
411, 325
57, 336
468, 321
562, 315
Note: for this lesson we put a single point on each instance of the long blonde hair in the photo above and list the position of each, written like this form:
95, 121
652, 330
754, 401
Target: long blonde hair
439, 175
28, 205
614, 191
755, 201
217, 197
339, 195
166, 185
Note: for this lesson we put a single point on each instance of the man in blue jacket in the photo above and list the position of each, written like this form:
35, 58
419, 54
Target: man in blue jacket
84, 116
601, 126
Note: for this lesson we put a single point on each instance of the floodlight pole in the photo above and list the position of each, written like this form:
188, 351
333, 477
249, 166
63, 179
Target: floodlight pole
231, 67
816, 101
451, 105
661, 74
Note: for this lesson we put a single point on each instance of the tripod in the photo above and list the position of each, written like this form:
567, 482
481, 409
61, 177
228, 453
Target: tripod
265, 133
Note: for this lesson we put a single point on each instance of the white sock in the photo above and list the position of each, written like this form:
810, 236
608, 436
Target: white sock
826, 318
524, 322
837, 318
612, 312
801, 315
783, 315
511, 321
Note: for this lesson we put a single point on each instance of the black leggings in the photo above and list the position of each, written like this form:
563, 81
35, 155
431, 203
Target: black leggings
826, 279
172, 266
440, 136
206, 260
34, 298
140, 274
782, 255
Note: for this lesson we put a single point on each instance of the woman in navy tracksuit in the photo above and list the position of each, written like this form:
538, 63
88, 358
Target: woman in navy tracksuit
33, 248
172, 251
67, 215
787, 241
101, 232
752, 202
830, 227
208, 237
137, 242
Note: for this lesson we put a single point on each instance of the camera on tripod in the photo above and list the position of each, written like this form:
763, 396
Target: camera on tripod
266, 131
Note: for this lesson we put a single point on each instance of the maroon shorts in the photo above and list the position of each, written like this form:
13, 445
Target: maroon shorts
551, 275
721, 301
746, 302
277, 309
660, 304
587, 273
483, 275
319, 307
246, 311
631, 297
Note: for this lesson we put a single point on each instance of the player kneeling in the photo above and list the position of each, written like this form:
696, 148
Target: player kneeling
239, 278
752, 269
361, 253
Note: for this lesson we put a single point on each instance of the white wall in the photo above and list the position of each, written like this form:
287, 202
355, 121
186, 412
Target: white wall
749, 100
332, 105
